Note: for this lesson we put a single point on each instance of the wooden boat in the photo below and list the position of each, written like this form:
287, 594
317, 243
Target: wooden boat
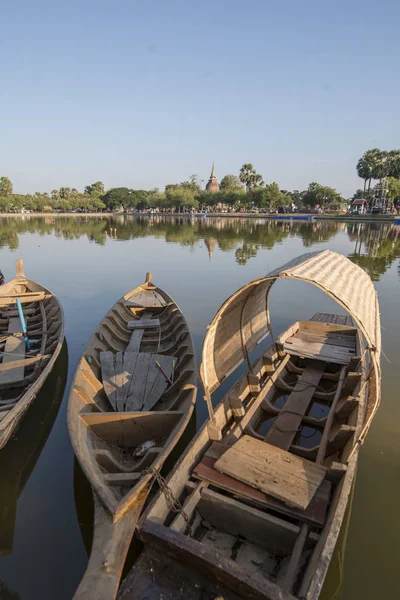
29, 349
132, 396
265, 484
18, 460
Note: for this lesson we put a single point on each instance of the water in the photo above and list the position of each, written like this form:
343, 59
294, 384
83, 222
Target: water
45, 503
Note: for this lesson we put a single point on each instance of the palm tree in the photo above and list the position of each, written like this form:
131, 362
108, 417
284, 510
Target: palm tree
364, 170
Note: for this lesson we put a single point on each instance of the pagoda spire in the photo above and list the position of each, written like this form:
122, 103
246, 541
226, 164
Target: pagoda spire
212, 185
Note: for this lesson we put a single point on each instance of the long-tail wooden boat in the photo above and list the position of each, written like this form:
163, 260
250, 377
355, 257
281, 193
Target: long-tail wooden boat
265, 484
32, 334
131, 399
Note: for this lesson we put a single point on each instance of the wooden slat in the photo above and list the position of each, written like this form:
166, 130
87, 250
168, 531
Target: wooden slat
143, 323
129, 363
238, 519
135, 397
7, 314
315, 513
24, 362
285, 427
147, 298
315, 350
157, 382
137, 335
272, 470
135, 341
333, 339
14, 350
24, 298
108, 376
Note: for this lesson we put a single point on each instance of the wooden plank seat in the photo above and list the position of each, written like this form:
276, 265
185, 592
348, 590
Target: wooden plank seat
314, 340
132, 381
273, 471
138, 332
314, 514
286, 426
146, 299
143, 323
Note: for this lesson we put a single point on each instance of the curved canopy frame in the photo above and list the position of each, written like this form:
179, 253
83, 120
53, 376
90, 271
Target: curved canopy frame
242, 322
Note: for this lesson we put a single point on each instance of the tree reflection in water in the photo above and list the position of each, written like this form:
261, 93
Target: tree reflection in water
376, 244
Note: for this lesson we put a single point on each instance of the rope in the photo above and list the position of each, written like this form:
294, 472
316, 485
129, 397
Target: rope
173, 504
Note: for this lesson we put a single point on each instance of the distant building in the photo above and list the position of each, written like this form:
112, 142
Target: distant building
360, 206
212, 185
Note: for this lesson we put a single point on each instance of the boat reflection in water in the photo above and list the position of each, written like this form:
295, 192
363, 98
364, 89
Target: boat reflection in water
19, 457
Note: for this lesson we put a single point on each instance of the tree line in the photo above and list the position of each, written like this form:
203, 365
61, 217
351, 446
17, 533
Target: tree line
382, 166
244, 191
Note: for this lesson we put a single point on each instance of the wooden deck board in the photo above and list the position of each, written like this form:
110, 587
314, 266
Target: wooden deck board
318, 350
146, 298
143, 323
272, 470
285, 427
132, 380
156, 382
314, 514
137, 335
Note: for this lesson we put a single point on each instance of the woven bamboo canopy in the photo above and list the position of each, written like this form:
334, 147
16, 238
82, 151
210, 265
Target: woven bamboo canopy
243, 321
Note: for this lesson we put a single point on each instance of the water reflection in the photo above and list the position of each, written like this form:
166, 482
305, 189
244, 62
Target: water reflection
376, 246
19, 457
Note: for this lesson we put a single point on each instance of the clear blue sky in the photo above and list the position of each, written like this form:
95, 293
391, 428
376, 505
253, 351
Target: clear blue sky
145, 93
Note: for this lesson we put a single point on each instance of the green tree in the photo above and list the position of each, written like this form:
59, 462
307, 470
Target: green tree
270, 197
118, 198
393, 190
358, 194
250, 177
95, 189
232, 183
6, 187
180, 196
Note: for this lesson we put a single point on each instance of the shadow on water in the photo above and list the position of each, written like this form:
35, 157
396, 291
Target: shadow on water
19, 457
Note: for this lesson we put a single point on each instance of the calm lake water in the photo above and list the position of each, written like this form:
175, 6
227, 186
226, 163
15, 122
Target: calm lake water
45, 502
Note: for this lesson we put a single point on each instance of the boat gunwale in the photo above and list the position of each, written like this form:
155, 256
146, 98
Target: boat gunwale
118, 508
11, 421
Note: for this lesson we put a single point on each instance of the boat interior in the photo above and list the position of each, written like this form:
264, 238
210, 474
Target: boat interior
21, 363
260, 489
135, 385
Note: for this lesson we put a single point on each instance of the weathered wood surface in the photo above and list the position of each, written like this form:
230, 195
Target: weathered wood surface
14, 350
286, 426
256, 526
24, 362
329, 352
144, 323
24, 298
109, 549
147, 298
155, 576
333, 319
209, 563
133, 381
37, 301
315, 513
273, 471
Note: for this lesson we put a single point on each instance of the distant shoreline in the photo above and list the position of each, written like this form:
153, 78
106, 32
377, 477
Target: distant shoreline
279, 217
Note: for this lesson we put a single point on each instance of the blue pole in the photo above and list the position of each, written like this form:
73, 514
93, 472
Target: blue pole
23, 324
